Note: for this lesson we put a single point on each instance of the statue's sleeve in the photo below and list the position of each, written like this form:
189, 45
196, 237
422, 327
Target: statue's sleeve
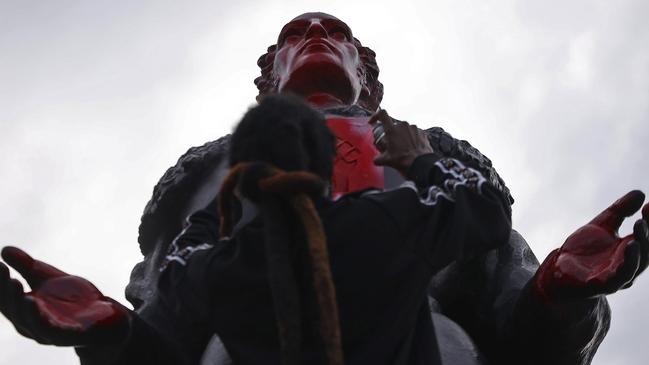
491, 297
145, 344
511, 325
172, 331
173, 328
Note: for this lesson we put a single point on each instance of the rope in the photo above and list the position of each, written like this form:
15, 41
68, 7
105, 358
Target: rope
295, 187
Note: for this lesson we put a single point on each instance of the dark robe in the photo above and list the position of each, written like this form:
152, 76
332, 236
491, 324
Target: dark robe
484, 311
402, 237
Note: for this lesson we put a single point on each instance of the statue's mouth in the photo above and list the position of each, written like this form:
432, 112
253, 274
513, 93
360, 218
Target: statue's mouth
317, 45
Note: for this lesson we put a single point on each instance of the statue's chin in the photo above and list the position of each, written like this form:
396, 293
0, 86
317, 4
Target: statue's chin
322, 75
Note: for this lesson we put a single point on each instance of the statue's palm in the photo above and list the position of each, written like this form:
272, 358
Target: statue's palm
595, 260
62, 309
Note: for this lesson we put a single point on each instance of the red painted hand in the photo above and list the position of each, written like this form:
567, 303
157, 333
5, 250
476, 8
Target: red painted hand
595, 260
62, 309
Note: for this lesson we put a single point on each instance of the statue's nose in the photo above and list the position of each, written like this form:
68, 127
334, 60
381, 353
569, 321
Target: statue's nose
316, 30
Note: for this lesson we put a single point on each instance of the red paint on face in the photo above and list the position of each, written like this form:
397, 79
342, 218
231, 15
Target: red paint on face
354, 167
316, 55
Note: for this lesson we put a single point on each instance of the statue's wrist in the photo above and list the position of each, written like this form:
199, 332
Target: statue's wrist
119, 327
544, 286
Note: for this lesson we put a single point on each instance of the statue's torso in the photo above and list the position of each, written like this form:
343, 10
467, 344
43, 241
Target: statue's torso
195, 172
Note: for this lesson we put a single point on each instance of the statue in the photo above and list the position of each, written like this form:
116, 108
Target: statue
499, 307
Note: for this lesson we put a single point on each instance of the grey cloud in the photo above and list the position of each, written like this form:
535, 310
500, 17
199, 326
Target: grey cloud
97, 100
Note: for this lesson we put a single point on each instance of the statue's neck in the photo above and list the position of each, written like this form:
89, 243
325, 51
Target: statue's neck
324, 101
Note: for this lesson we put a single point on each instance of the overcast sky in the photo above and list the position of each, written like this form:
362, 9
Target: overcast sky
97, 99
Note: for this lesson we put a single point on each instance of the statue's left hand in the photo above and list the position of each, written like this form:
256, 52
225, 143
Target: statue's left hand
595, 260
61, 309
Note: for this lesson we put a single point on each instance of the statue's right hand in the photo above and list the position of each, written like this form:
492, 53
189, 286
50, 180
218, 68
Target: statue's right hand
61, 309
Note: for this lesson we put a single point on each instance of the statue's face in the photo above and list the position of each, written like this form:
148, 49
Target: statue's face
316, 54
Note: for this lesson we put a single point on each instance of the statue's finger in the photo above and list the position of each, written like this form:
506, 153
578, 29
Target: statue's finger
24, 309
40, 330
11, 293
627, 272
11, 301
612, 217
4, 282
641, 236
34, 271
4, 272
14, 294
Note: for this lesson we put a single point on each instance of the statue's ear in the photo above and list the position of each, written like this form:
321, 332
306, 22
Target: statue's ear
365, 99
365, 92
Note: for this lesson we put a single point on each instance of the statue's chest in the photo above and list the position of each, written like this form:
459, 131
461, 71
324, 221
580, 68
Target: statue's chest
354, 167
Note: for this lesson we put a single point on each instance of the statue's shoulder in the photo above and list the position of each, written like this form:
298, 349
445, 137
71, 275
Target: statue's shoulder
175, 187
462, 150
166, 210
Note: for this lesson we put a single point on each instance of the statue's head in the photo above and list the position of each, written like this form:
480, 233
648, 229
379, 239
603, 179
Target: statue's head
317, 54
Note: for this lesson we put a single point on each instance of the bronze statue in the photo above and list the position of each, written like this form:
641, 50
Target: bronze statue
498, 308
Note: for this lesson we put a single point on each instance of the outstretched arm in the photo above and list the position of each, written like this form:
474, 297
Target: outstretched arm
61, 309
595, 260
67, 310
561, 315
